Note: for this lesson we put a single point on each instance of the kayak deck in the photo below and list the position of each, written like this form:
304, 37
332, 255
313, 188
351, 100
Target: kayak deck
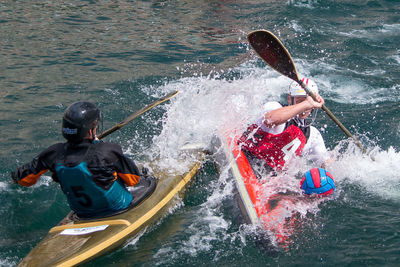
257, 207
76, 241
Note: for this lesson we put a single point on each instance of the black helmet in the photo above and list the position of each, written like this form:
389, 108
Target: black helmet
78, 119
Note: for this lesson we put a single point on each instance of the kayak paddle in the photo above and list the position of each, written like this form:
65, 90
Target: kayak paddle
274, 53
137, 114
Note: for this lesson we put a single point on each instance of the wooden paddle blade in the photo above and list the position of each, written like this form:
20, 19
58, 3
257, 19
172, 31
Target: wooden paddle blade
272, 51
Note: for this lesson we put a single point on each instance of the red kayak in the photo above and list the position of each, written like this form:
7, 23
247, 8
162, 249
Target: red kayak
259, 204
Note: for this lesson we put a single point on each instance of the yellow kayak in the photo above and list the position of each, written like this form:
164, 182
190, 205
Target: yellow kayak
74, 241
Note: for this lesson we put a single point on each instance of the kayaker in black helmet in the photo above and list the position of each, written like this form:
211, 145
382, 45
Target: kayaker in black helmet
92, 174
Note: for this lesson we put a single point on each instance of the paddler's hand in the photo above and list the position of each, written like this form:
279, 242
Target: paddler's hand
315, 104
14, 178
145, 171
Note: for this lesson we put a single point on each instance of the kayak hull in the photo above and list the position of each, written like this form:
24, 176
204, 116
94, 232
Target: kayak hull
258, 205
74, 241
244, 178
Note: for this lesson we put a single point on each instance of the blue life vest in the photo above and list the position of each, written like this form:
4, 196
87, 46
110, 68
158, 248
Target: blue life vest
85, 197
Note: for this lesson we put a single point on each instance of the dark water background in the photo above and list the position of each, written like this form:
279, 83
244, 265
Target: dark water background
123, 55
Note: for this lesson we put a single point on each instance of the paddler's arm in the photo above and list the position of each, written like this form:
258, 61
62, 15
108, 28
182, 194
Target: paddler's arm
127, 169
28, 174
281, 115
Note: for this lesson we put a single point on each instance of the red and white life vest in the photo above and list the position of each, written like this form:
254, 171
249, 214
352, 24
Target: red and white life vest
277, 149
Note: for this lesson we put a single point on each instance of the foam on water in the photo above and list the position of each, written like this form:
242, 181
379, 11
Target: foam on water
44, 181
208, 104
351, 90
207, 226
4, 186
296, 26
396, 57
380, 177
8, 261
136, 238
375, 32
345, 86
204, 107
303, 3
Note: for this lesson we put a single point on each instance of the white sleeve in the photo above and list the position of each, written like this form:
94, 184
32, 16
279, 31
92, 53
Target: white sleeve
269, 106
315, 149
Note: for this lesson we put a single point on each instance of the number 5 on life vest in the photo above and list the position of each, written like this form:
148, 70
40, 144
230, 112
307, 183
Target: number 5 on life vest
290, 149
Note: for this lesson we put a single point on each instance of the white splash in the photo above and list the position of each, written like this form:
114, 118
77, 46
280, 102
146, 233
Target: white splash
380, 177
44, 180
9, 261
207, 104
206, 228
135, 239
4, 186
375, 31
396, 57
303, 3
342, 86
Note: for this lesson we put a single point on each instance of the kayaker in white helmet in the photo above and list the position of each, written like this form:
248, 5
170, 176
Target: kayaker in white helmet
285, 130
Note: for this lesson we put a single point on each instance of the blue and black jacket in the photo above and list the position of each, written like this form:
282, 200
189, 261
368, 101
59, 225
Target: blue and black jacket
93, 175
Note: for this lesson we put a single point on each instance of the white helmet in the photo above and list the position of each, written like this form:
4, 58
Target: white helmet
296, 90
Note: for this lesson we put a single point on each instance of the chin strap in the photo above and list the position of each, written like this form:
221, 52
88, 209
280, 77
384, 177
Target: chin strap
308, 121
92, 135
299, 122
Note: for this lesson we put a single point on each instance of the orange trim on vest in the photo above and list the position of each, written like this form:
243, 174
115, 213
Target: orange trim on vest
115, 176
31, 179
129, 179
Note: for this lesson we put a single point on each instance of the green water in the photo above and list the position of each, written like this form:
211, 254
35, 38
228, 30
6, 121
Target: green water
124, 55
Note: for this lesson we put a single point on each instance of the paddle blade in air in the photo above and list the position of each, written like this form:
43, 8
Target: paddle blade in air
272, 51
